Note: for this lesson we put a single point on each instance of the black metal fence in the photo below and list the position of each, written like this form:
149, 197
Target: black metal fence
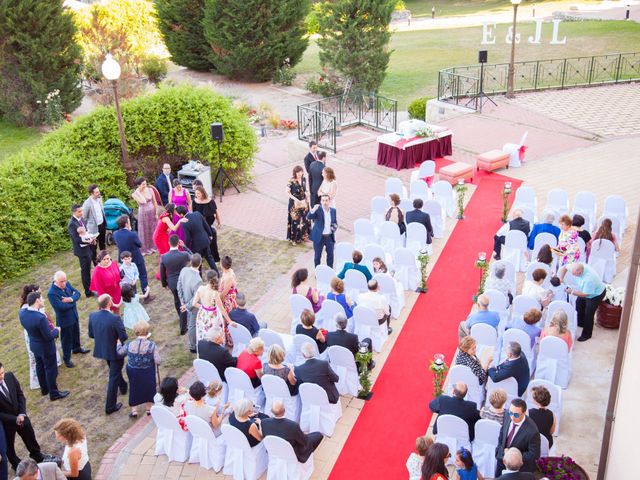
461, 85
321, 119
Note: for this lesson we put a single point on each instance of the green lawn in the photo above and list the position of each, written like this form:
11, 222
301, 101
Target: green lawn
419, 55
450, 8
14, 138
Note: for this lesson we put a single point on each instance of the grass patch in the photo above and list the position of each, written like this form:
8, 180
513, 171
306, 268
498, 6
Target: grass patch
13, 138
88, 381
447, 8
419, 55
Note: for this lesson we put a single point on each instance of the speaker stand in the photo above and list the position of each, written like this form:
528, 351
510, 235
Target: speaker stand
482, 96
221, 174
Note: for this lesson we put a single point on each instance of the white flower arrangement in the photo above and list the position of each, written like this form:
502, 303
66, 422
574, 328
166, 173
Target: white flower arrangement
614, 296
425, 132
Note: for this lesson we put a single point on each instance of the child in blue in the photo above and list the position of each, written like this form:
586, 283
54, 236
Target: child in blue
465, 467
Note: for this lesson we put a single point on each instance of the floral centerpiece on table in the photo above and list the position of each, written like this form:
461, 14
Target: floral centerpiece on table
560, 468
439, 369
425, 132
614, 296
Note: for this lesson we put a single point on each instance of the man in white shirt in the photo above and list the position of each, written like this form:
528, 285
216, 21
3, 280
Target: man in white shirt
324, 227
377, 302
93, 215
513, 463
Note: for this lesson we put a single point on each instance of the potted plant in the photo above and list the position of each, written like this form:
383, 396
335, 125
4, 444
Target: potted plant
561, 468
481, 264
363, 357
439, 369
610, 309
423, 259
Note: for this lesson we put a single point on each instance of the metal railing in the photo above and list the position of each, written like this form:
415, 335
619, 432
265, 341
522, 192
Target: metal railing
319, 120
461, 85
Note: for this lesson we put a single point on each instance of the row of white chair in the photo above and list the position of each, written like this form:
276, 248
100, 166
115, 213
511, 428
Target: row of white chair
368, 233
440, 191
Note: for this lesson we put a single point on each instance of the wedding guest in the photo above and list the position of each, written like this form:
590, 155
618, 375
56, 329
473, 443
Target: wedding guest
377, 302
306, 327
558, 327
311, 156
435, 462
129, 274
541, 415
209, 304
543, 227
466, 469
188, 283
467, 356
325, 224
329, 186
164, 182
578, 222
171, 395
337, 295
496, 281
171, 265
298, 225
568, 248
106, 279
356, 256
244, 317
75, 459
147, 215
249, 361
300, 284
228, 284
180, 195
315, 177
128, 241
418, 216
4, 468
590, 291
275, 366
245, 419
534, 288
211, 348
604, 232
494, 408
29, 469
209, 210
416, 459
214, 416
545, 255
528, 324
395, 214
517, 223
93, 215
164, 229
197, 234
379, 266
81, 249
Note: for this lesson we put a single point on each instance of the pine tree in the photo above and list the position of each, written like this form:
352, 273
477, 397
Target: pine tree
252, 39
354, 38
38, 55
180, 22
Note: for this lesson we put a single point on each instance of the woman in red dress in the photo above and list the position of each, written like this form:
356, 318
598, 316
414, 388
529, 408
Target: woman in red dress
106, 279
164, 228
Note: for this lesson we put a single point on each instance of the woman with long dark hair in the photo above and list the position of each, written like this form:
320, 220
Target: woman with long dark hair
435, 462
297, 222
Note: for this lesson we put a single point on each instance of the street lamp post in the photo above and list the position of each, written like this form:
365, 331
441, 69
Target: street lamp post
111, 71
511, 70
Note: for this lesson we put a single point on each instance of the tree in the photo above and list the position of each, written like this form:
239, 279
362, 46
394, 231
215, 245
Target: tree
354, 38
38, 55
252, 39
180, 22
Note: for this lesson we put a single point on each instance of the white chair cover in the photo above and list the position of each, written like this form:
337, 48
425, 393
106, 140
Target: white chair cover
283, 463
325, 318
443, 193
417, 238
525, 197
318, 415
616, 227
394, 185
270, 338
544, 446
324, 275
366, 325
241, 461
558, 201
364, 232
513, 149
419, 189
298, 303
509, 272
515, 248
343, 254
536, 265
393, 290
603, 258
436, 212
509, 385
241, 338
275, 388
171, 440
240, 387
407, 272
298, 341
486, 439
528, 214
372, 251
206, 449
453, 432
584, 204
556, 399
521, 304
426, 170
206, 373
406, 205
498, 302
485, 335
355, 283
462, 373
343, 363
542, 239
572, 315
389, 236
379, 207
554, 361
615, 206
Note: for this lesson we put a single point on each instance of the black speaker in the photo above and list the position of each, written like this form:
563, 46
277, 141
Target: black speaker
483, 56
217, 133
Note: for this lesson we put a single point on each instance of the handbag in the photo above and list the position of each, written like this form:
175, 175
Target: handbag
299, 204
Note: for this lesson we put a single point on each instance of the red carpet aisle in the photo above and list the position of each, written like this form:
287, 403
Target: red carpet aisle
384, 434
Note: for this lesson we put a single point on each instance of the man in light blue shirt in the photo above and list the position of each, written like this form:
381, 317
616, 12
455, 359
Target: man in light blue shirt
589, 290
483, 315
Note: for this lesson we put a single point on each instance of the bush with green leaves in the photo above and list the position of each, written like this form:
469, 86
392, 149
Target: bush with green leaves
38, 186
418, 107
154, 68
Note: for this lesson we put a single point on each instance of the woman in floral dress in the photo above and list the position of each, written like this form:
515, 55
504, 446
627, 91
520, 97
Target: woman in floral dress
228, 291
147, 215
568, 247
211, 311
297, 222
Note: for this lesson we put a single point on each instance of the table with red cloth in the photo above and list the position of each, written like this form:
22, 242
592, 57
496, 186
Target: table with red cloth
399, 152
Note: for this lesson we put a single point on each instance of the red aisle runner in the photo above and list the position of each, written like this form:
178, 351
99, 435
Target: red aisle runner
384, 434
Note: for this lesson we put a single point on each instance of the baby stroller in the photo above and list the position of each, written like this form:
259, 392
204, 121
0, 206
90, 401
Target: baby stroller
113, 208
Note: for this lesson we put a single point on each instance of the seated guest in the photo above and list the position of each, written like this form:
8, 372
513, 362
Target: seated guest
280, 426
355, 265
534, 289
545, 255
494, 408
513, 463
214, 394
456, 405
350, 341
337, 295
466, 468
527, 438
200, 409
496, 281
249, 361
211, 349
28, 469
518, 223
317, 371
541, 415
377, 302
418, 216
307, 327
243, 316
435, 462
528, 324
171, 395
247, 421
604, 232
275, 366
558, 327
416, 459
300, 284
467, 356
578, 222
482, 315
557, 290
379, 266
394, 214
546, 226
515, 366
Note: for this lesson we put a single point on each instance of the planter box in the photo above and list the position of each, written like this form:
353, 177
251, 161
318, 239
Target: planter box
608, 316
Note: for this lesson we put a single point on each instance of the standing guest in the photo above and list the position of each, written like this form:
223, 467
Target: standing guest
528, 324
189, 281
418, 216
544, 418
244, 317
164, 182
456, 405
337, 295
394, 213
171, 264
416, 458
590, 292
377, 302
466, 467
604, 232
64, 300
180, 197
317, 371
107, 329
518, 223
209, 210
356, 256
129, 274
545, 255
496, 281
329, 186
210, 307
534, 288
164, 229
297, 222
513, 463
228, 284
568, 248
170, 395
143, 358
518, 431
197, 235
494, 408
42, 336
147, 215
106, 279
75, 459
133, 312
81, 249
323, 232
435, 462
467, 356
128, 241
211, 348
249, 361
558, 327
93, 215
315, 177
544, 227
29, 469
275, 366
199, 408
306, 327
311, 156
300, 284
515, 366
14, 419
578, 222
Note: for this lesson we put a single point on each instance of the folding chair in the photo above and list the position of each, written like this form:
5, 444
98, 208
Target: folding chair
318, 415
283, 463
171, 440
206, 449
241, 461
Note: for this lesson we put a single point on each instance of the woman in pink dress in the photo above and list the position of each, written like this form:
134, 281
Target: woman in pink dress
228, 291
106, 279
179, 196
147, 216
164, 228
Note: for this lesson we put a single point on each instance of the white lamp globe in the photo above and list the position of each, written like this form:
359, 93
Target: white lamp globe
516, 2
111, 68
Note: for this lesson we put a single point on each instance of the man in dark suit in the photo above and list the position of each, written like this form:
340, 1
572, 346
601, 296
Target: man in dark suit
516, 366
518, 431
244, 317
323, 231
280, 426
64, 300
127, 240
164, 183
350, 341
212, 350
197, 234
513, 463
13, 415
42, 341
171, 264
418, 216
311, 156
318, 372
518, 223
457, 406
107, 329
315, 177
84, 251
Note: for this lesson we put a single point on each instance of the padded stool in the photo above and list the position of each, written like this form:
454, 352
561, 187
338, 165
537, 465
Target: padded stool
454, 172
492, 160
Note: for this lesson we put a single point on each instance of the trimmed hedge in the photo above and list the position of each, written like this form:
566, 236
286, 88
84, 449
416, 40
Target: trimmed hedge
418, 108
37, 186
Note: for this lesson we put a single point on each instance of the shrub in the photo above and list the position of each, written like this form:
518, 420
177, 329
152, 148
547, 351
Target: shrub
417, 108
311, 20
154, 68
285, 74
324, 85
